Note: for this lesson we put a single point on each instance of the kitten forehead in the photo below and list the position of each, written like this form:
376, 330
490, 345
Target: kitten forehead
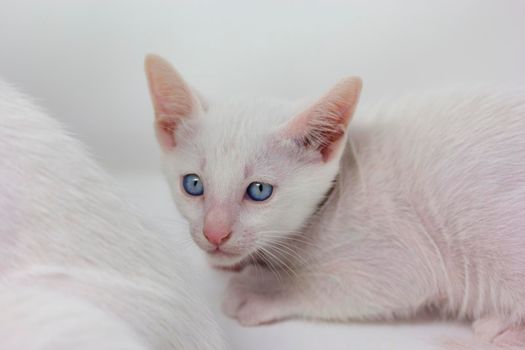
233, 137
235, 129
248, 117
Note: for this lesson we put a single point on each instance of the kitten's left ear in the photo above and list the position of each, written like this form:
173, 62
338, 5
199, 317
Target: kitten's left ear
322, 127
172, 99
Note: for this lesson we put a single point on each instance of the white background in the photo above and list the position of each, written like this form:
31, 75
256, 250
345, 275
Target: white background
83, 61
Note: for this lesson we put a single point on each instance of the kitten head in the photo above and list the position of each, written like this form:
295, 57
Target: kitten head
246, 173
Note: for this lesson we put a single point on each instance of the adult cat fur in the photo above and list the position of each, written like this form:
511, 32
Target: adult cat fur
79, 268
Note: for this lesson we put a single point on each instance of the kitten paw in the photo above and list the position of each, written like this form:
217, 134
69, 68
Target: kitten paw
256, 296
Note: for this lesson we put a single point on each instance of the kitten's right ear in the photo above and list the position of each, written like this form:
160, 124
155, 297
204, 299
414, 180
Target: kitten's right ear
172, 99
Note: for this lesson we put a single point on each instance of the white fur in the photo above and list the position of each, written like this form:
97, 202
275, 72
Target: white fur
79, 268
427, 211
225, 144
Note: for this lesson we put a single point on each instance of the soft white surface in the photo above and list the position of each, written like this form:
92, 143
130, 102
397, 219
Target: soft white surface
151, 194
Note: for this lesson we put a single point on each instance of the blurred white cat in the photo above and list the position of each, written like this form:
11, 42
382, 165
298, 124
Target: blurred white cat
419, 204
79, 268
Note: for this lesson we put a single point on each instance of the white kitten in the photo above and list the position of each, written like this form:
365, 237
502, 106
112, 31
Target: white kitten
421, 208
79, 269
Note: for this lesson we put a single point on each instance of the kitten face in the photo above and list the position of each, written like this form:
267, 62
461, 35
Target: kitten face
225, 147
227, 160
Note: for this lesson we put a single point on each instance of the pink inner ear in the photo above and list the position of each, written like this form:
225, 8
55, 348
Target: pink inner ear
174, 101
332, 142
165, 129
323, 125
316, 136
320, 128
171, 96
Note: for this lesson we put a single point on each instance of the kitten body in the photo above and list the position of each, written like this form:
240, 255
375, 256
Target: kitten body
79, 268
418, 205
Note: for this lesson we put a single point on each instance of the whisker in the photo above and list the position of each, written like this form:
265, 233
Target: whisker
270, 265
290, 236
287, 268
288, 251
272, 259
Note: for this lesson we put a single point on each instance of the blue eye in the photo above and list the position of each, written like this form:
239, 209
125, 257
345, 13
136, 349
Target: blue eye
193, 185
259, 191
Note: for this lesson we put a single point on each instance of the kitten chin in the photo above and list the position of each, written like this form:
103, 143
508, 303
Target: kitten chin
250, 260
229, 263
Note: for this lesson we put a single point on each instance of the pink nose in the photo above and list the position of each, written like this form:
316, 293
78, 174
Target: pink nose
217, 237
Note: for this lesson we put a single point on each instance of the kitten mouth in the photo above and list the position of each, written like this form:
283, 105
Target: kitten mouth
217, 252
